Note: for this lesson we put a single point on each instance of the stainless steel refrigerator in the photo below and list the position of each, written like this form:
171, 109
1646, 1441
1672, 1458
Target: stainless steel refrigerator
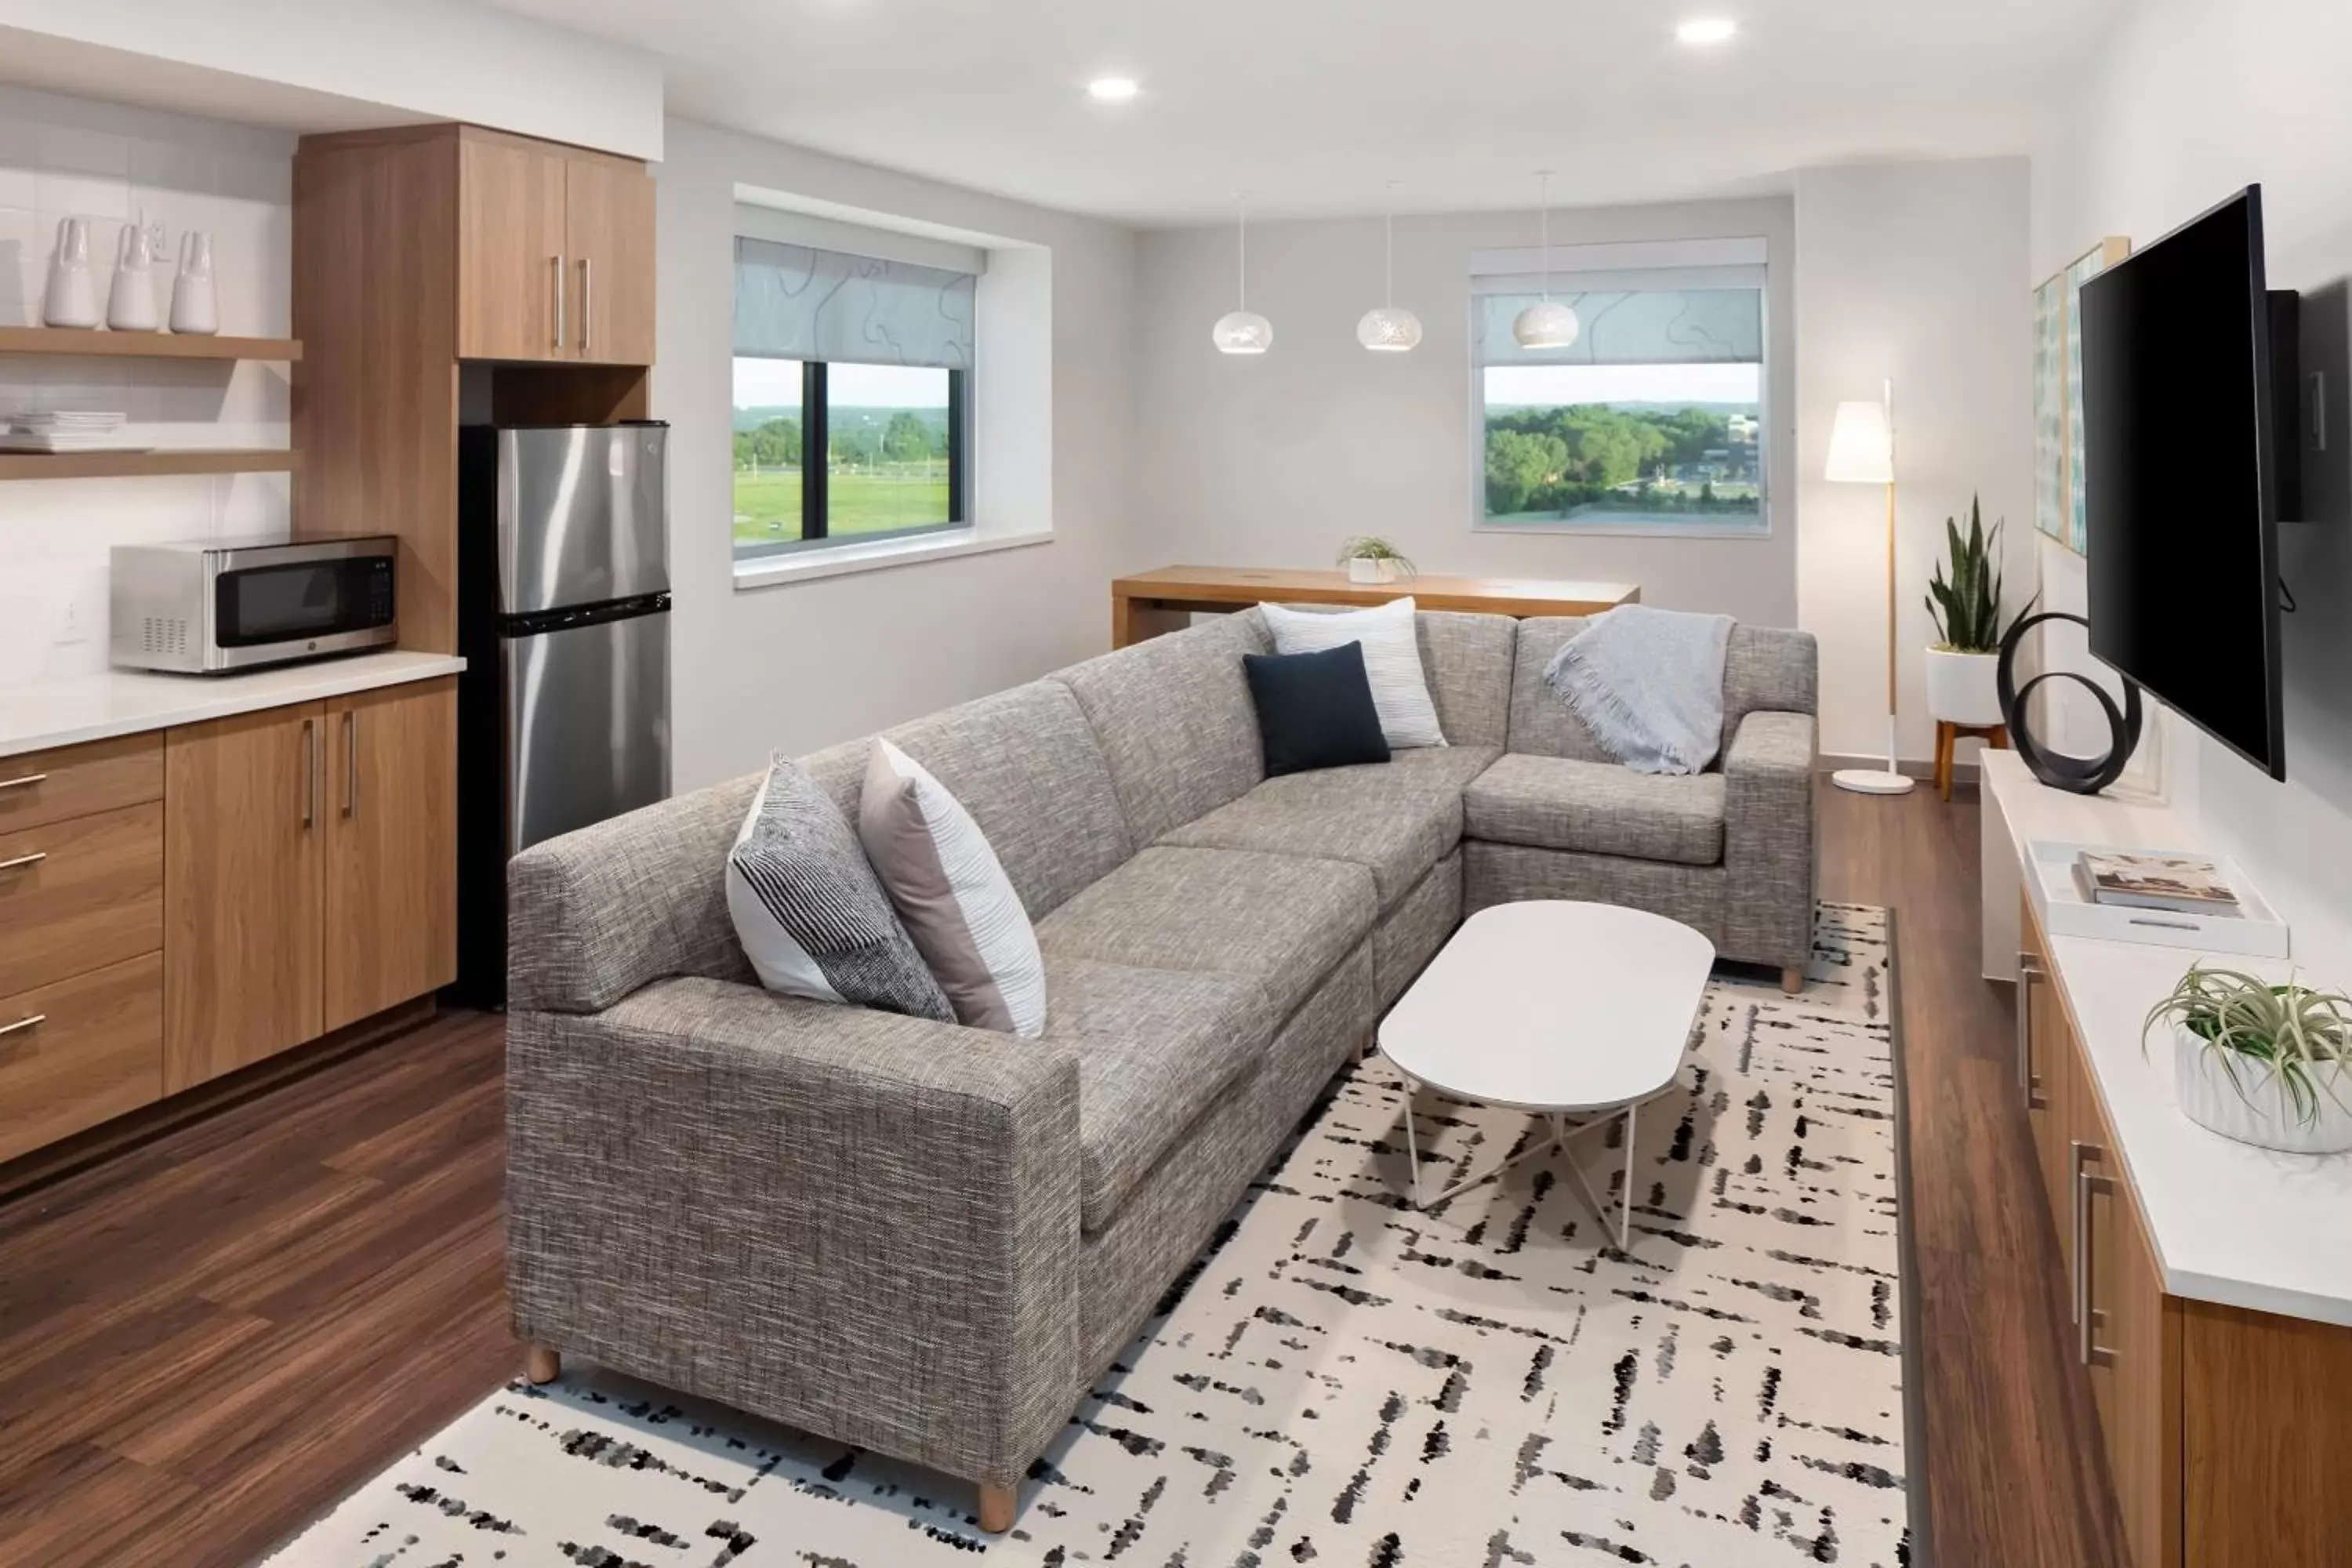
563, 618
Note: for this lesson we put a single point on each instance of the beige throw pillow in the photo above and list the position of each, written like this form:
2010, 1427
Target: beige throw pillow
953, 895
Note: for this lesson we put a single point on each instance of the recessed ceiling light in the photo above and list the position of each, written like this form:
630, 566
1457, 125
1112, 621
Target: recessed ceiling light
1707, 30
1111, 89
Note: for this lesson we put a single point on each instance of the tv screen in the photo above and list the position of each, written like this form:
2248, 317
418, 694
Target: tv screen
2179, 479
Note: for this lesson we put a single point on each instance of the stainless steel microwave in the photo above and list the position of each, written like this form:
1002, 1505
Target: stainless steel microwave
207, 606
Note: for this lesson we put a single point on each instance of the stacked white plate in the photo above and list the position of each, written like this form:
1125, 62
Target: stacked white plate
67, 431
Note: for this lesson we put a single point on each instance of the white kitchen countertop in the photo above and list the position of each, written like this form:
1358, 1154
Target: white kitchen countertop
41, 714
2230, 1222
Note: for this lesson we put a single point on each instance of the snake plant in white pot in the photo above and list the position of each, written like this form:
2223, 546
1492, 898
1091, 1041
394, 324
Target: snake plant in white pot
2267, 1064
1962, 665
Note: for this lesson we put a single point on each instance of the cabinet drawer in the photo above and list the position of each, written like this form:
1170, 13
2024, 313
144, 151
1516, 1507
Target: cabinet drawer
79, 895
96, 1051
41, 787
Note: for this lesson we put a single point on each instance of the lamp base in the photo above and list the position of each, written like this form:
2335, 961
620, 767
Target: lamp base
1873, 781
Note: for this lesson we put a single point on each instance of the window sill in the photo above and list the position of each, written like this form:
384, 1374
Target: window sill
843, 559
1631, 529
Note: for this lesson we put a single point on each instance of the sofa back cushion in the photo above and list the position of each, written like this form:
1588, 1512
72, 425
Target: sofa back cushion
1765, 668
1541, 725
1468, 659
1175, 721
1024, 764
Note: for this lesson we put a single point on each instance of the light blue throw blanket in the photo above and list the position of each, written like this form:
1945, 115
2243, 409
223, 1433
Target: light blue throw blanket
1648, 684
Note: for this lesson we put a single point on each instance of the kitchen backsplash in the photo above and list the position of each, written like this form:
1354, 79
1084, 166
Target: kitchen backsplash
112, 164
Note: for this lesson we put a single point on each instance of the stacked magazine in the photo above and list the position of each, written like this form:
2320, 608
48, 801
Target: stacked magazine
2176, 884
67, 432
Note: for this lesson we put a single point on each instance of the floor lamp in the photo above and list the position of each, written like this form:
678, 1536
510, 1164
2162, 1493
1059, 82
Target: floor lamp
1861, 452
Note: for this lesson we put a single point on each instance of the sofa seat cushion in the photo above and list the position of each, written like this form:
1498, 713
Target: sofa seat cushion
1557, 803
1397, 819
1155, 1048
1282, 920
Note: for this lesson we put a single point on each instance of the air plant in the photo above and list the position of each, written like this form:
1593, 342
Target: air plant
1967, 609
1372, 547
2303, 1037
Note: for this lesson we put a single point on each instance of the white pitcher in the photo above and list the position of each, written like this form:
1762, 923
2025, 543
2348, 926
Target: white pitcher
72, 296
131, 307
196, 302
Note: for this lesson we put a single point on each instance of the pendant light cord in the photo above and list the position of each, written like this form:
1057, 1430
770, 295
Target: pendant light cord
1387, 251
1241, 233
1543, 222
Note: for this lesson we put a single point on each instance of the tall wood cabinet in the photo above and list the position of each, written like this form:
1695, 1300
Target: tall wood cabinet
555, 252
309, 872
2222, 1428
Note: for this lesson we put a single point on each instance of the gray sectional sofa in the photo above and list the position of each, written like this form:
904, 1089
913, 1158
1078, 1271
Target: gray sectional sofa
928, 1240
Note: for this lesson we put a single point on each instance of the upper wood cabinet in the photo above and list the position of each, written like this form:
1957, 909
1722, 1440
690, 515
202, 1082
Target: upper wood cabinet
391, 929
555, 253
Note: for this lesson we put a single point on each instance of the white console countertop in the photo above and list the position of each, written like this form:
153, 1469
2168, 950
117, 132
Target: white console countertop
41, 714
2230, 1223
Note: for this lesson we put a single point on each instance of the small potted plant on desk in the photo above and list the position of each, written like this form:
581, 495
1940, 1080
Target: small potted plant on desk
2267, 1065
1371, 558
1963, 690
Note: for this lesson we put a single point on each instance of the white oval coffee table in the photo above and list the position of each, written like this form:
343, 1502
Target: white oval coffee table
1574, 1011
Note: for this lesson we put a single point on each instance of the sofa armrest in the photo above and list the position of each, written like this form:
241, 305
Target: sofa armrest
863, 1224
1768, 840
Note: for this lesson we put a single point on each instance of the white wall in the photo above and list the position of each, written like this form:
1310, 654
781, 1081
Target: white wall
73, 157
1910, 271
2192, 100
281, 63
1272, 461
796, 666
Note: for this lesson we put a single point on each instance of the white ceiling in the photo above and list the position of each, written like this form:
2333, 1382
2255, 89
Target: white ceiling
1311, 106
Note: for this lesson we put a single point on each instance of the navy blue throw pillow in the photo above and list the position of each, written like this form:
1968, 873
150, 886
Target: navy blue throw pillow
1315, 709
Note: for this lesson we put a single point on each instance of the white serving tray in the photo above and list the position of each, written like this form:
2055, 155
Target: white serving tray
2258, 932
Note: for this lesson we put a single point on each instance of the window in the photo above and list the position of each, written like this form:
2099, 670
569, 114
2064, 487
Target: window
1651, 421
851, 398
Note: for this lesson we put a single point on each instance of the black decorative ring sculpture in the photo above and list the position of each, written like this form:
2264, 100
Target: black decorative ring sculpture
2078, 775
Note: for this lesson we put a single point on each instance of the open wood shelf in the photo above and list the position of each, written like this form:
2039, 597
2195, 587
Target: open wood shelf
144, 345
136, 465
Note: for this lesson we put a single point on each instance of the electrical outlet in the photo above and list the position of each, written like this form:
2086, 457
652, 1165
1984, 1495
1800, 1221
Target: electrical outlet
74, 620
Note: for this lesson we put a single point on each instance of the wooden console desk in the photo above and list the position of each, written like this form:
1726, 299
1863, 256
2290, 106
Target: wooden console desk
1153, 603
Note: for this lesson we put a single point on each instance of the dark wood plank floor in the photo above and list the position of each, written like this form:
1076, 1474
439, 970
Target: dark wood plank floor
205, 1342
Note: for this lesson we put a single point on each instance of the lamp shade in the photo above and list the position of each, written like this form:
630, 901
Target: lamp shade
1241, 332
1861, 446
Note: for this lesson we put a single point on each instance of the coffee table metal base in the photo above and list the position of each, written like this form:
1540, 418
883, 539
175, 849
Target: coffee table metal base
1561, 1131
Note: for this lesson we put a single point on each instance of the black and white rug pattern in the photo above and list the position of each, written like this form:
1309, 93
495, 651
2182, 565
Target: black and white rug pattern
1348, 1381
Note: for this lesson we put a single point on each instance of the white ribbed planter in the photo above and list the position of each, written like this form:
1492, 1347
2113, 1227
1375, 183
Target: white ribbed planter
1360, 570
1963, 688
2255, 1110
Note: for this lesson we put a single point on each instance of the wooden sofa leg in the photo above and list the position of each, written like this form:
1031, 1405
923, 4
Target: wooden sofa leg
1792, 981
997, 1505
542, 1364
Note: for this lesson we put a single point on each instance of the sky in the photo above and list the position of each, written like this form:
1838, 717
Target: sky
1541, 384
776, 383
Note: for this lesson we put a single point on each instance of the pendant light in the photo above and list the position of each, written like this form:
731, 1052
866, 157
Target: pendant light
1243, 331
1389, 328
1551, 325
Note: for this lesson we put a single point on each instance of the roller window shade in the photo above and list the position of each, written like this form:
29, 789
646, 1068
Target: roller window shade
797, 302
1717, 319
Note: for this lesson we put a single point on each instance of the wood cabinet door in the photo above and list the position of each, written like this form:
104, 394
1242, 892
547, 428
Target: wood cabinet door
244, 844
390, 930
2131, 1345
512, 273
609, 229
2044, 1063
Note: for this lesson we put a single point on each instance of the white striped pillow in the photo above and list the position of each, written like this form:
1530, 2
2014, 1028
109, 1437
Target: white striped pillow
1391, 644
953, 895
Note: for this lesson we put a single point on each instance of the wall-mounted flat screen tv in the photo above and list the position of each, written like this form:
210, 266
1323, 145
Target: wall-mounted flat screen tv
2182, 471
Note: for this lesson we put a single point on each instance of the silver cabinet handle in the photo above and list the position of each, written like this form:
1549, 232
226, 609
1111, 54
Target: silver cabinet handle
310, 774
555, 264
28, 782
2029, 974
2080, 1283
33, 1022
587, 303
21, 861
2087, 1184
350, 761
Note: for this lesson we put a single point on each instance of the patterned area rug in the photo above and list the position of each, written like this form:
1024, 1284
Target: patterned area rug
1348, 1381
